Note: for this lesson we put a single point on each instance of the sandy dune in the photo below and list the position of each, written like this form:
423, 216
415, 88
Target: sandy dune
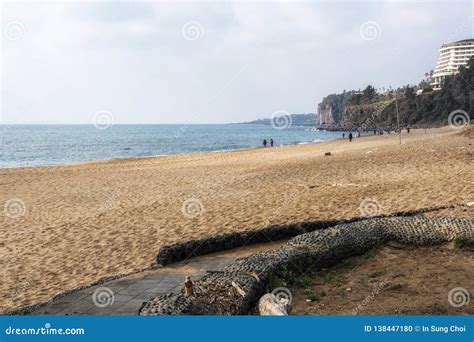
67, 226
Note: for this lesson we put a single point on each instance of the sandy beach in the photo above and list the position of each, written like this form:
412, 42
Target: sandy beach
67, 226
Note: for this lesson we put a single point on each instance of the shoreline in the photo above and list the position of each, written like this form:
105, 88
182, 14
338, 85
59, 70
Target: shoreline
100, 161
78, 223
159, 156
138, 158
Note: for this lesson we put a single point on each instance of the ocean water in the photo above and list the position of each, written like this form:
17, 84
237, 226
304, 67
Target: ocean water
32, 145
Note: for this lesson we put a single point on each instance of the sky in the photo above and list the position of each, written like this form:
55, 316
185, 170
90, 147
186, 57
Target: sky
173, 62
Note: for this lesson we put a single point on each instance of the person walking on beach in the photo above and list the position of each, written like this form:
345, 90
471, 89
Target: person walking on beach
271, 142
343, 135
264, 142
350, 136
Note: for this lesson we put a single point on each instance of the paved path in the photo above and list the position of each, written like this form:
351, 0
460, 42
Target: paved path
130, 292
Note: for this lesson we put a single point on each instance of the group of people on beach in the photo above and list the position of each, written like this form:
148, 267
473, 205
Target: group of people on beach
350, 136
379, 132
265, 142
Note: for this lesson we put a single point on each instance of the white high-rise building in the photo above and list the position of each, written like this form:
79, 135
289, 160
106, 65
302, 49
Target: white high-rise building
452, 56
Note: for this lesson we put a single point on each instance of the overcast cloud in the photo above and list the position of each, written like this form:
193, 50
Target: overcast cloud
63, 62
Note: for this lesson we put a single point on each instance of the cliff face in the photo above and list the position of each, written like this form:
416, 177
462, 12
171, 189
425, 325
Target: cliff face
336, 103
369, 109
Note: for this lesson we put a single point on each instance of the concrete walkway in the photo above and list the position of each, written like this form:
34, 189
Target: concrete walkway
124, 296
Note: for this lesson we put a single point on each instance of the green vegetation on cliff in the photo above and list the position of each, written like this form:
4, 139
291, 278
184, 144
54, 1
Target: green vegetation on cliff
370, 109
